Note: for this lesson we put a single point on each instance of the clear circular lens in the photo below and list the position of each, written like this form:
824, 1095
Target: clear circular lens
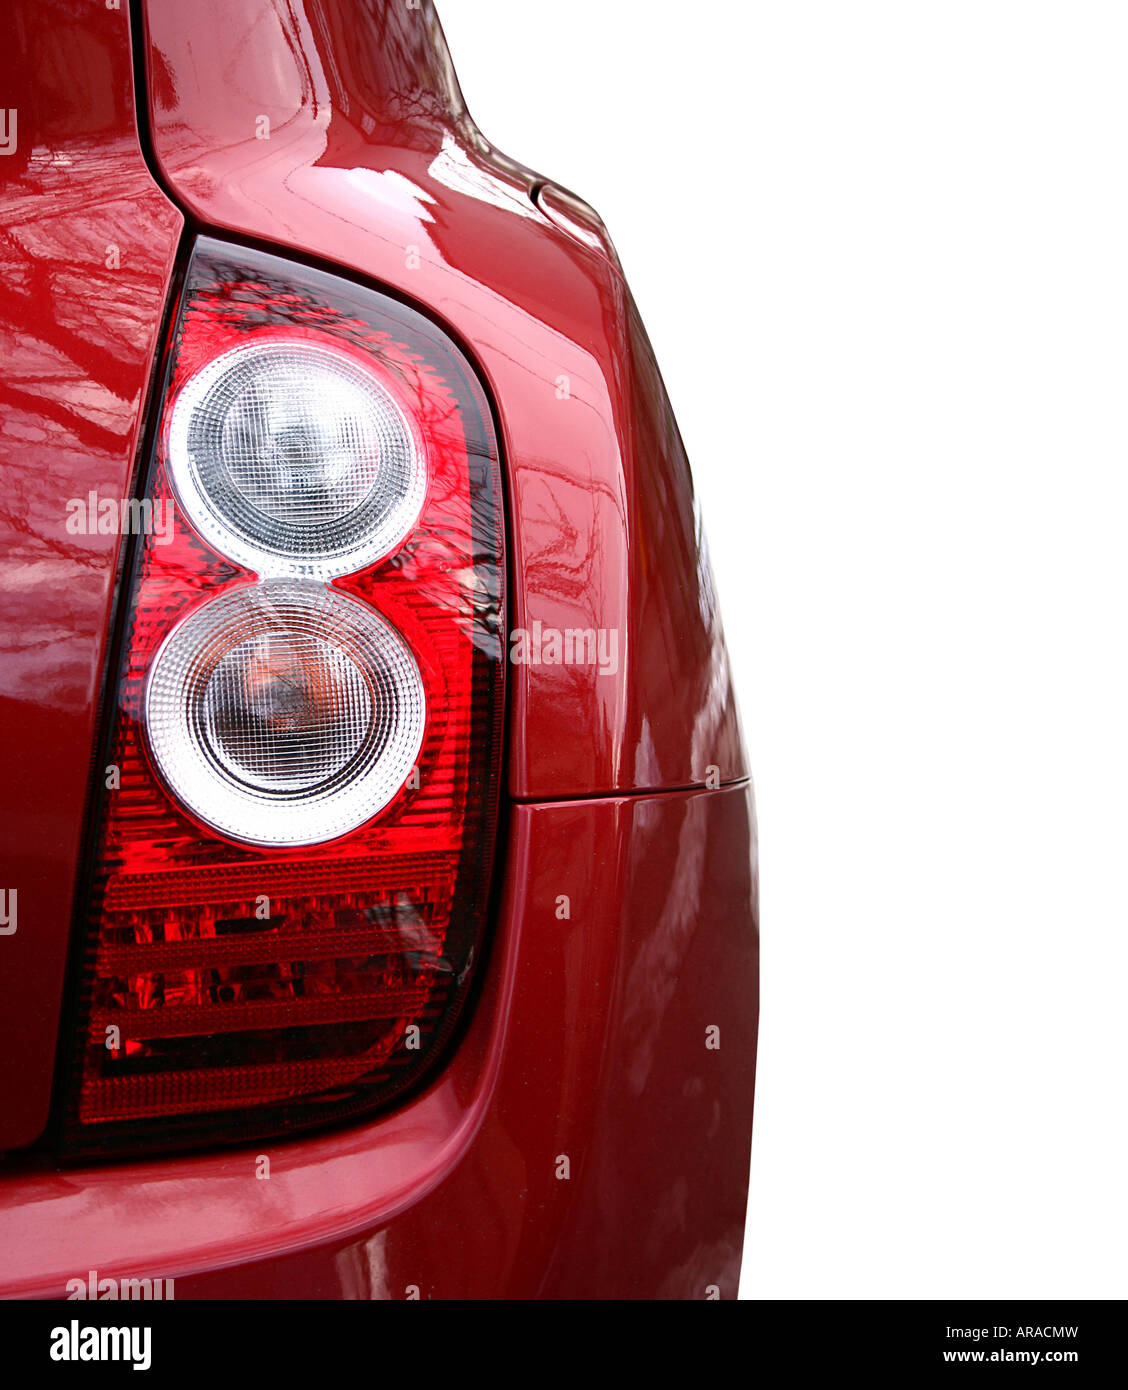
284, 713
293, 458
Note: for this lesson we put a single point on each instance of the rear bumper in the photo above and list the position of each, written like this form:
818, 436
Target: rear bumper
588, 1138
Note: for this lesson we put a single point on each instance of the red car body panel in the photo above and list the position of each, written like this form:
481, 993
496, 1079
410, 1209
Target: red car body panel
87, 246
588, 1042
336, 133
373, 165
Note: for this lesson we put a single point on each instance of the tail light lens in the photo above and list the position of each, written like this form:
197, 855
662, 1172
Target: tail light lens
296, 458
293, 848
284, 713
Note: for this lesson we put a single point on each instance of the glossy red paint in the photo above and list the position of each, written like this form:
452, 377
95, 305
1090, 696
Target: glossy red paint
338, 130
589, 1041
87, 244
589, 1037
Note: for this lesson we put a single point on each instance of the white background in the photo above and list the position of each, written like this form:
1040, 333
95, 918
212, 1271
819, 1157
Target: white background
882, 251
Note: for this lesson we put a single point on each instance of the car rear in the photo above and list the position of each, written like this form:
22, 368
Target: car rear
380, 849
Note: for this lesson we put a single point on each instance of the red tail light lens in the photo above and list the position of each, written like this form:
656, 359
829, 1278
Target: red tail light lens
293, 848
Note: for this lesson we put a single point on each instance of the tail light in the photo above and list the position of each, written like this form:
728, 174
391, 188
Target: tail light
293, 847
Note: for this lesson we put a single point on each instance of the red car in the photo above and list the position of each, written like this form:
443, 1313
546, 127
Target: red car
378, 915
